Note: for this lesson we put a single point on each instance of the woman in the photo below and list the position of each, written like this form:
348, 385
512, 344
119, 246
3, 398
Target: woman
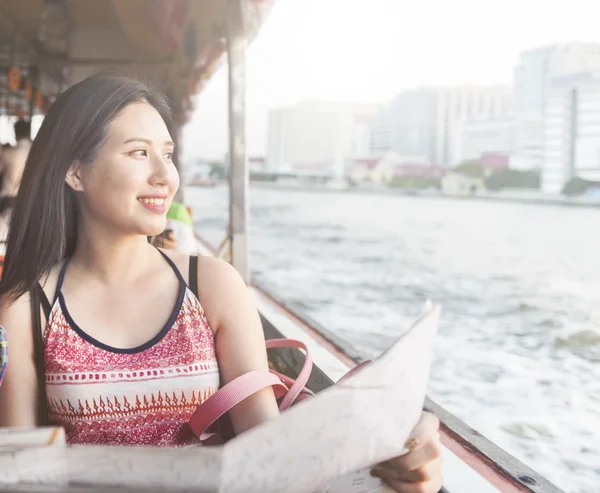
127, 343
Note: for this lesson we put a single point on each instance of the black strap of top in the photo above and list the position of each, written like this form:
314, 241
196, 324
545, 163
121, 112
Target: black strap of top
38, 297
193, 275
46, 305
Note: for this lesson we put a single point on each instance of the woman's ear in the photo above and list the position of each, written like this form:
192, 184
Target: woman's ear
73, 178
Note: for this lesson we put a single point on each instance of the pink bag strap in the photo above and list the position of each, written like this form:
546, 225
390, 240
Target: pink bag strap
248, 384
229, 396
304, 374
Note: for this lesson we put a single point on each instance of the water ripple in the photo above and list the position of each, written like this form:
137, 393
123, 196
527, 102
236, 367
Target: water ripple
518, 352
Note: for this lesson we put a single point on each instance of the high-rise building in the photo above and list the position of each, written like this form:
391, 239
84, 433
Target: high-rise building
425, 122
478, 137
406, 125
572, 130
531, 86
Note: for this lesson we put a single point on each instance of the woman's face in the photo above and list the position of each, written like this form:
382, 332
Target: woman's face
131, 183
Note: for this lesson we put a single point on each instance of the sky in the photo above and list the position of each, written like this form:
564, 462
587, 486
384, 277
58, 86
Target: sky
369, 50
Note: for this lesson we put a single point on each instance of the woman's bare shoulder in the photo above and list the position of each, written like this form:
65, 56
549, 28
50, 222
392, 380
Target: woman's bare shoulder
211, 269
209, 265
219, 282
222, 291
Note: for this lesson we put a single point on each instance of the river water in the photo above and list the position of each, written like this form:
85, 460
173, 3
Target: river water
518, 353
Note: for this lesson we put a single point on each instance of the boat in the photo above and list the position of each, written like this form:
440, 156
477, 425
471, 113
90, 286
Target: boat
46, 46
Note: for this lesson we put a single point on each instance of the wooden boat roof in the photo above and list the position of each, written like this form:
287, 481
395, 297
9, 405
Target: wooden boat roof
175, 43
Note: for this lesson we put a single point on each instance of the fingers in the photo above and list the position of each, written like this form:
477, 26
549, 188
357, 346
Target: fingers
427, 425
427, 471
424, 445
426, 452
419, 470
433, 486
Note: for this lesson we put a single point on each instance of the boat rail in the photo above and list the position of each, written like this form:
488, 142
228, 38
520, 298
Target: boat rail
499, 468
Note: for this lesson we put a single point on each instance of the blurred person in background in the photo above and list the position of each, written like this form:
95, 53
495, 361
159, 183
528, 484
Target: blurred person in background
179, 233
12, 164
14, 158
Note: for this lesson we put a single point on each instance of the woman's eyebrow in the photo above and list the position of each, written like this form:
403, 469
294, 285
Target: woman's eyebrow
146, 141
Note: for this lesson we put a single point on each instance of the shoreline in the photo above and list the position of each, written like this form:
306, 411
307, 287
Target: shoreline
517, 197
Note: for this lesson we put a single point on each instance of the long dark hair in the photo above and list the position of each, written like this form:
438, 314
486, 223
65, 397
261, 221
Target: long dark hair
43, 227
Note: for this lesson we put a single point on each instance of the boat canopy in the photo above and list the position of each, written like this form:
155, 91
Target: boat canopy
48, 45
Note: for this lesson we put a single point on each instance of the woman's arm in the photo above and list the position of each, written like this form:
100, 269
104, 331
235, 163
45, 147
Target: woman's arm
241, 348
19, 390
240, 341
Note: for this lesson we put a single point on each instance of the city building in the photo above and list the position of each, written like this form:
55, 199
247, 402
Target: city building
425, 122
407, 125
494, 161
385, 169
531, 88
318, 136
572, 130
459, 185
359, 170
475, 138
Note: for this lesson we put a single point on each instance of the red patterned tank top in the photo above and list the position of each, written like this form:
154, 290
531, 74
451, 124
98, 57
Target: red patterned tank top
140, 396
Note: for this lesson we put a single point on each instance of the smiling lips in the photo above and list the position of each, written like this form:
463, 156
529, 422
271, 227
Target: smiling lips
156, 204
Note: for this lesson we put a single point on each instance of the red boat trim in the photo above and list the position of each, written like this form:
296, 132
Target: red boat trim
331, 346
492, 474
458, 445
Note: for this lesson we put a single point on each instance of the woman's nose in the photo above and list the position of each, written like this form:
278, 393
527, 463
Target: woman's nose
163, 171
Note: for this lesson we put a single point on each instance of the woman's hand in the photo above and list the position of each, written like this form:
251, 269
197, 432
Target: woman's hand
420, 470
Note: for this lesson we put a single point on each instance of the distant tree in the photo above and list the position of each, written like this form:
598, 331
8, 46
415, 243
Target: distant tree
470, 168
415, 182
217, 170
512, 178
578, 186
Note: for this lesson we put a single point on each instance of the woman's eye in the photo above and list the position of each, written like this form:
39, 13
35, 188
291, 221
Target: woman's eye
169, 155
140, 153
